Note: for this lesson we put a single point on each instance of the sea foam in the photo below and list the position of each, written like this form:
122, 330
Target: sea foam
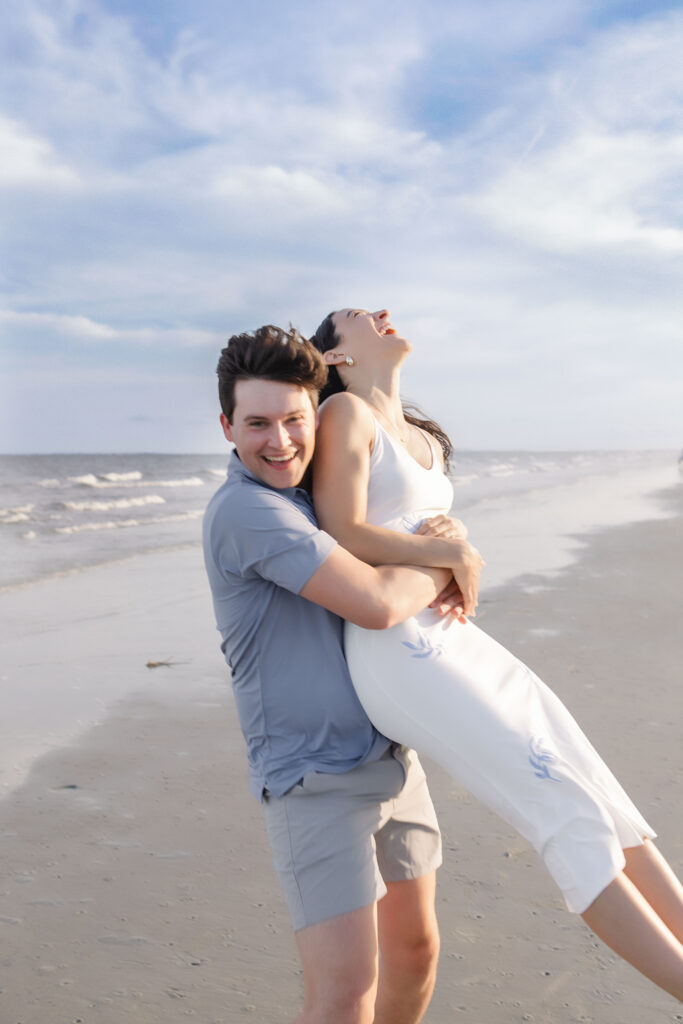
111, 524
134, 475
90, 480
19, 514
104, 506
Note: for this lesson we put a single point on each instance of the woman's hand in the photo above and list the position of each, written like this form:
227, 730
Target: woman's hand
460, 598
466, 571
442, 526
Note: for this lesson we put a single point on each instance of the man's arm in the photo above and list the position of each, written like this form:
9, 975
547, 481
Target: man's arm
374, 597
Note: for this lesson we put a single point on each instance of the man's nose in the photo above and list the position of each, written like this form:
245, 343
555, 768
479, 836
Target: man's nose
279, 437
381, 314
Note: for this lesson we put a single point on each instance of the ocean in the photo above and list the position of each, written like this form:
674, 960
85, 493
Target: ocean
60, 513
76, 640
64, 513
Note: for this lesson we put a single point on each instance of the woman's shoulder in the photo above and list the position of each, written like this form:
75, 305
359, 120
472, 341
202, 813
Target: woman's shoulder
344, 400
347, 411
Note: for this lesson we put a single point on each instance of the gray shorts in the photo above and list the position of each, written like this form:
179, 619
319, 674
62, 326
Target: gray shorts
336, 839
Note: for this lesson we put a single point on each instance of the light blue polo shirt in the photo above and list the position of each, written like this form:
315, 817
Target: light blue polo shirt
296, 703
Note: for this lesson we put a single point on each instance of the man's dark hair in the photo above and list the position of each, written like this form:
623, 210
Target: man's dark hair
270, 353
325, 338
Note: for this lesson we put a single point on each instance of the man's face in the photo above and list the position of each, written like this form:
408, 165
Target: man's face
273, 429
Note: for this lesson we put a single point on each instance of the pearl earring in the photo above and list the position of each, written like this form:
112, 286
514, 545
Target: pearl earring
350, 361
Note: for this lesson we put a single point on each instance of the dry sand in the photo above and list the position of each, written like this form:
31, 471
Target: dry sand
137, 883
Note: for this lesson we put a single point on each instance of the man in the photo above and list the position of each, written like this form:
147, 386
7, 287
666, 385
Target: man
354, 835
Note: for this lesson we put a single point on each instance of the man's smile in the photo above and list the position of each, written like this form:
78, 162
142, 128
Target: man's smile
279, 461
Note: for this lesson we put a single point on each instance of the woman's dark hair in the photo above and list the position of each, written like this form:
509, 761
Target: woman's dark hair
271, 354
326, 338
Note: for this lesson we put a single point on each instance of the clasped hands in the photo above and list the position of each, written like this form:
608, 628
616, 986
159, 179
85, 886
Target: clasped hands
459, 598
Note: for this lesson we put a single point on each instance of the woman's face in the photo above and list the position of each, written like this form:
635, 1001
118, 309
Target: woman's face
362, 332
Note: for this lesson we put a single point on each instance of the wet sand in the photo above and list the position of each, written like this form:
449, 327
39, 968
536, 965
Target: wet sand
137, 883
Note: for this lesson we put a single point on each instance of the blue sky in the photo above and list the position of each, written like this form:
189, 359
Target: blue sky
505, 177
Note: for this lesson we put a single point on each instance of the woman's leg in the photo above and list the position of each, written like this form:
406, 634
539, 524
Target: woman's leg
652, 875
500, 732
625, 921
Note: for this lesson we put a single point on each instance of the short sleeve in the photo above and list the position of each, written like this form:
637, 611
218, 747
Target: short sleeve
266, 534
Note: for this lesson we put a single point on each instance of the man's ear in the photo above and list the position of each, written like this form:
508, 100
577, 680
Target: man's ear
227, 429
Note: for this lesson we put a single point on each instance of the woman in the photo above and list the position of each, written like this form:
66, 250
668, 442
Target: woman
451, 691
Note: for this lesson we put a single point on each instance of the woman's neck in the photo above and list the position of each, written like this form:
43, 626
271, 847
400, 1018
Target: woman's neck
381, 392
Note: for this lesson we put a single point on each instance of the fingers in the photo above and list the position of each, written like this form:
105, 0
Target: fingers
450, 602
431, 527
457, 612
448, 596
470, 603
452, 611
459, 529
467, 576
460, 597
442, 526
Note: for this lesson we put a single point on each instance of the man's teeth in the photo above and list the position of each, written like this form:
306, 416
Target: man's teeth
279, 458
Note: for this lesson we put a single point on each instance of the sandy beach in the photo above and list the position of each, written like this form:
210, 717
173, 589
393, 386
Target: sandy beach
137, 883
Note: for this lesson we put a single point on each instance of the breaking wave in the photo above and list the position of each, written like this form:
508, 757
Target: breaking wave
134, 475
19, 514
105, 506
111, 524
132, 480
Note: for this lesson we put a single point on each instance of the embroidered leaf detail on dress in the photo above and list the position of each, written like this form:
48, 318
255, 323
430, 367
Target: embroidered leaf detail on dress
423, 649
409, 524
540, 759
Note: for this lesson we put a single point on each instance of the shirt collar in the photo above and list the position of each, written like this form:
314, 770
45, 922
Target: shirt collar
236, 468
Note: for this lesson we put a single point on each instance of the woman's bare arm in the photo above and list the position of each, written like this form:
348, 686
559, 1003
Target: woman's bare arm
341, 473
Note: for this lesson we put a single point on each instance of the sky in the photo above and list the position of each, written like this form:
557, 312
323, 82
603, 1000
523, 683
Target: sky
505, 177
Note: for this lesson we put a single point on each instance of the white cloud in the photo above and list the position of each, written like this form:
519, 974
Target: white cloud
297, 193
28, 160
82, 328
605, 147
591, 189
224, 184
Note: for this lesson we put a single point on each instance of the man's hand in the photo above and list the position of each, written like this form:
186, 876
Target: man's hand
450, 602
442, 526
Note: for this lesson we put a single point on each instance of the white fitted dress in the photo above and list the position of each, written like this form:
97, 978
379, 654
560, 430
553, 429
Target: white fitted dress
454, 694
